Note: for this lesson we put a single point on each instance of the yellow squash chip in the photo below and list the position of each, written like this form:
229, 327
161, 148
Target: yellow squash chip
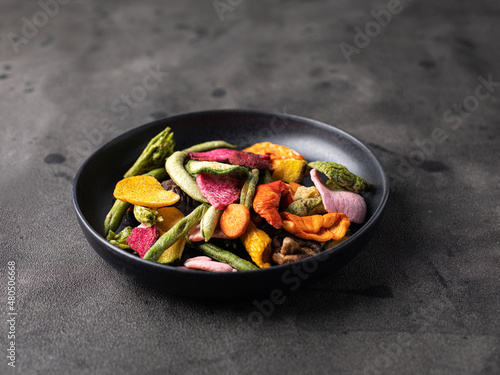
171, 215
144, 191
258, 244
173, 252
289, 170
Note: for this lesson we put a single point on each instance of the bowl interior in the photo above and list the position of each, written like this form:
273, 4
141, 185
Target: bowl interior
96, 179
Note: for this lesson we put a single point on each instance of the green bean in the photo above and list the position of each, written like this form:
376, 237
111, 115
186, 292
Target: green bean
115, 216
175, 168
178, 231
248, 190
194, 167
265, 177
177, 172
120, 239
209, 222
159, 173
222, 255
211, 145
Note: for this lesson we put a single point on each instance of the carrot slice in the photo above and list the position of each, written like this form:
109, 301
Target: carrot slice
234, 220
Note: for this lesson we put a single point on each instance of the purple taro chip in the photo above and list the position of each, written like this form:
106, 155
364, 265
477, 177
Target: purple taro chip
142, 238
221, 155
207, 264
220, 190
249, 160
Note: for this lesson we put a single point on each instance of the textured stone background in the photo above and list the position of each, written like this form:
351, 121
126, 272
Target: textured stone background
423, 298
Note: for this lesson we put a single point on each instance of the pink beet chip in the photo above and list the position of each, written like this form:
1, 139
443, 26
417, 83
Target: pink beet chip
249, 160
220, 190
195, 234
142, 238
221, 155
207, 264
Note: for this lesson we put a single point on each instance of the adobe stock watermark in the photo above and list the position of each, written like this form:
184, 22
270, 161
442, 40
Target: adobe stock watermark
11, 313
31, 26
454, 116
223, 6
139, 93
248, 328
372, 29
90, 139
293, 279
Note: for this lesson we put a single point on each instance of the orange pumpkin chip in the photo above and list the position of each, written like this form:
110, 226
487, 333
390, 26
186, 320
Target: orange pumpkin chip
144, 191
276, 152
322, 228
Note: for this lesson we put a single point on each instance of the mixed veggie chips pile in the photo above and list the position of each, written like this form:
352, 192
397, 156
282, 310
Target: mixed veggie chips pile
237, 209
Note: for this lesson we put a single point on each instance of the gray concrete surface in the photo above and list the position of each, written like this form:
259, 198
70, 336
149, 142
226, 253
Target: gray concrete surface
424, 296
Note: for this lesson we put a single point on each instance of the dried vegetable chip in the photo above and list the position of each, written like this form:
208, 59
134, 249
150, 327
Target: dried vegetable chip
249, 160
293, 188
207, 264
142, 238
322, 228
173, 252
235, 220
289, 170
220, 190
268, 198
220, 155
276, 152
340, 175
258, 245
171, 216
144, 191
352, 204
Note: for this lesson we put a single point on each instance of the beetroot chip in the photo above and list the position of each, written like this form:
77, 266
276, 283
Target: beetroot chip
249, 160
142, 238
220, 190
221, 155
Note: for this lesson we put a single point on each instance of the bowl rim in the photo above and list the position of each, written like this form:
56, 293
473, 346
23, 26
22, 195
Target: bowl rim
375, 216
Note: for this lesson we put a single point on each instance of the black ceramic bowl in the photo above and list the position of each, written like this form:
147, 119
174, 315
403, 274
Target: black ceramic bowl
96, 179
